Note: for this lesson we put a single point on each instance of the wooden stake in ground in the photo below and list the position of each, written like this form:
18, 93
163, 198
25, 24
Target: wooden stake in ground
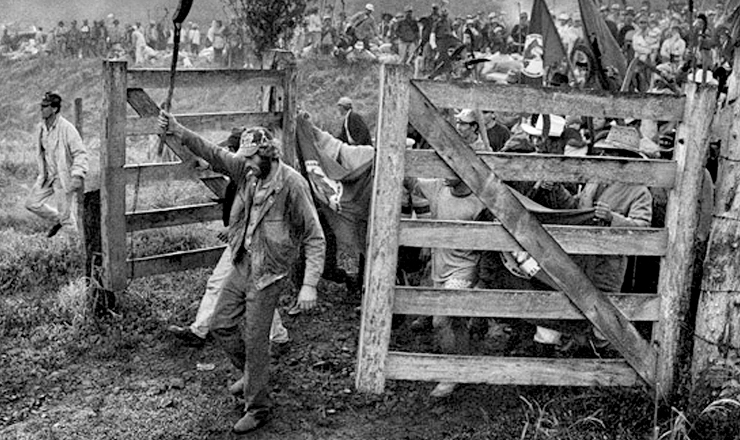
717, 332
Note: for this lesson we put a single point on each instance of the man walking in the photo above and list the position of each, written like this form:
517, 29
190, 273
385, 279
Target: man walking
62, 162
273, 217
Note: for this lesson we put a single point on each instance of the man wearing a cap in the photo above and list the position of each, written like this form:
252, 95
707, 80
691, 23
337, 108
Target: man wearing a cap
364, 27
196, 333
354, 130
62, 163
273, 218
426, 24
407, 32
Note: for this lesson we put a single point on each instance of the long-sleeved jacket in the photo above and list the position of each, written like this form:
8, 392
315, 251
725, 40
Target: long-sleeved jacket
631, 206
71, 154
286, 219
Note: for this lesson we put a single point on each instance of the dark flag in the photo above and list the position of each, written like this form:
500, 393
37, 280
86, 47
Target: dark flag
541, 23
600, 41
341, 181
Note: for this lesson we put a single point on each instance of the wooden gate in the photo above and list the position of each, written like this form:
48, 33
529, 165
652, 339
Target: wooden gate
124, 87
652, 362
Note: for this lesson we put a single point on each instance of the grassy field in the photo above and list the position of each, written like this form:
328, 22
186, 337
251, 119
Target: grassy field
67, 375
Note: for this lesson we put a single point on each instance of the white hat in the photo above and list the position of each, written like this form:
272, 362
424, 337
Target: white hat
557, 125
564, 16
345, 101
370, 7
466, 115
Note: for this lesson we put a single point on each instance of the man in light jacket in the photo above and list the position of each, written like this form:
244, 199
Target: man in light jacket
62, 162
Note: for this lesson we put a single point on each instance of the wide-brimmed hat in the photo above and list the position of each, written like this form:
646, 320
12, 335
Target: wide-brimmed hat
623, 139
535, 125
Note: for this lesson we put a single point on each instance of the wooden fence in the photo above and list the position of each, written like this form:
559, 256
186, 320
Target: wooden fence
645, 362
124, 87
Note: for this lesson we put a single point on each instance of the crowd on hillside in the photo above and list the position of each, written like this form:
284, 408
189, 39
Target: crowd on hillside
658, 36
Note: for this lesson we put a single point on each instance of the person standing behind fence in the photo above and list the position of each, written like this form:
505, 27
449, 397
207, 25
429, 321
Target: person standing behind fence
139, 42
451, 199
195, 40
273, 219
407, 32
62, 164
354, 129
363, 26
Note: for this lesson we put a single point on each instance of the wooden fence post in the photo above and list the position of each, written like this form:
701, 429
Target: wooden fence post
682, 221
289, 115
112, 177
717, 331
382, 252
79, 118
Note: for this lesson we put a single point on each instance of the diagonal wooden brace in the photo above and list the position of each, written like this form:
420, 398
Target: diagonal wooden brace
529, 233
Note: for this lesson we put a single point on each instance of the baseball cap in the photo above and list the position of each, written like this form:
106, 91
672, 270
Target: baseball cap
344, 102
370, 7
252, 139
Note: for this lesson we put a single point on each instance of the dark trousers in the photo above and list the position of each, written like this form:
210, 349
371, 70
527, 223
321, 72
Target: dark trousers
242, 303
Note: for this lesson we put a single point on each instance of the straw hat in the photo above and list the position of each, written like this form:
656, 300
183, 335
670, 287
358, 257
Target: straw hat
623, 139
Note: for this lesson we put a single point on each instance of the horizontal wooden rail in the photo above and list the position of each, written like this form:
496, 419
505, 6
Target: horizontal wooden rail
160, 171
510, 371
523, 99
181, 215
493, 236
513, 304
187, 78
173, 262
221, 121
551, 168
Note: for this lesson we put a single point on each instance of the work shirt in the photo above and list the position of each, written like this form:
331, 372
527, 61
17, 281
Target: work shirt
268, 224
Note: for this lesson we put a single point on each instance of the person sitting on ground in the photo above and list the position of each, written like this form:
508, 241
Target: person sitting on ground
273, 222
354, 129
196, 333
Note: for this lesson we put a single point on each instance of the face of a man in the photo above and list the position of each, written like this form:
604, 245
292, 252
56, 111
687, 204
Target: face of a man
47, 111
466, 129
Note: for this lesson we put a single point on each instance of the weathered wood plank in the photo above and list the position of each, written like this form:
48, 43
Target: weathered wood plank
112, 177
290, 110
188, 78
176, 171
534, 167
146, 107
513, 304
173, 262
510, 371
181, 215
559, 101
530, 234
382, 248
718, 314
682, 221
494, 237
220, 121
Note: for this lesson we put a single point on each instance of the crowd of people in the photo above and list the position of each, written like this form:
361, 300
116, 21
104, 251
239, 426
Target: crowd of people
271, 218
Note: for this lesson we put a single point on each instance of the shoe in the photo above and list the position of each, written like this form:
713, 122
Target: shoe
237, 388
253, 419
54, 229
186, 335
443, 389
